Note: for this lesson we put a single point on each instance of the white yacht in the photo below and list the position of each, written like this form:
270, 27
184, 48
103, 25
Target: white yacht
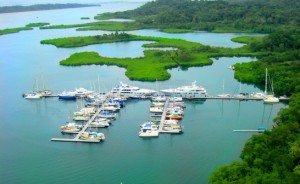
128, 90
82, 92
190, 92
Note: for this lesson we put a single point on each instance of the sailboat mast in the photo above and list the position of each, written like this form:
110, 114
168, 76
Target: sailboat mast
266, 81
223, 86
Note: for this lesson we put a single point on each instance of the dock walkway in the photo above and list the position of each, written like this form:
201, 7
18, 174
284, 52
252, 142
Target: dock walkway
163, 116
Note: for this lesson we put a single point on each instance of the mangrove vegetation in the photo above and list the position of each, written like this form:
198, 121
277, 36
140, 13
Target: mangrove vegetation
155, 62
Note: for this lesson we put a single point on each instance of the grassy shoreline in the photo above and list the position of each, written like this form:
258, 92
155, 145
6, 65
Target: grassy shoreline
29, 26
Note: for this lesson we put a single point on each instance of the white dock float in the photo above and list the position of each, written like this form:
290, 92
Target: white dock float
249, 130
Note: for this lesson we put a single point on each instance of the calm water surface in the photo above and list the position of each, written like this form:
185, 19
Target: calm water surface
26, 127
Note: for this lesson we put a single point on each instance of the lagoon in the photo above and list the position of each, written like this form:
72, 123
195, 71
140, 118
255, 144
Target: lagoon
28, 156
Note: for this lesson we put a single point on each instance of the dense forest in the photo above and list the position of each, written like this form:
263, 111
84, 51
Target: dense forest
281, 56
262, 16
274, 156
10, 9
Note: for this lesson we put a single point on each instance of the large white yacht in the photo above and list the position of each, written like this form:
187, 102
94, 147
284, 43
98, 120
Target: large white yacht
190, 92
128, 90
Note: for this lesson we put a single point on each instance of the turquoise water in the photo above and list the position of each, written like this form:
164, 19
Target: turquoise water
26, 127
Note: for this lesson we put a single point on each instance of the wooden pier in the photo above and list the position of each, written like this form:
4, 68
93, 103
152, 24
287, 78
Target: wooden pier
163, 117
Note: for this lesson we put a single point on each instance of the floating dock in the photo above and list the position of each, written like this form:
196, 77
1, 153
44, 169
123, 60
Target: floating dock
249, 130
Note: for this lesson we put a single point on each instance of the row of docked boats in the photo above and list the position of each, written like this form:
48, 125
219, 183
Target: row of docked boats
103, 119
165, 114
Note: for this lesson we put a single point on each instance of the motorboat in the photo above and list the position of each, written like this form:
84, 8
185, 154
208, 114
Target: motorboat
83, 117
99, 124
107, 114
149, 126
92, 136
156, 109
33, 95
159, 99
71, 128
85, 111
148, 133
176, 99
149, 129
171, 121
158, 104
173, 116
67, 95
190, 92
172, 128
258, 95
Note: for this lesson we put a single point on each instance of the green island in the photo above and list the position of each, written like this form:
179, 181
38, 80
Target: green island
155, 62
18, 29
85, 18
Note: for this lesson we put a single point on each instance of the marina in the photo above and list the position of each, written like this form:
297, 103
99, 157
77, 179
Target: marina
28, 155
165, 112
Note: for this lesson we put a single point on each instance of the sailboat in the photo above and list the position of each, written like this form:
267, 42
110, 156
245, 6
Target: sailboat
34, 94
223, 95
269, 98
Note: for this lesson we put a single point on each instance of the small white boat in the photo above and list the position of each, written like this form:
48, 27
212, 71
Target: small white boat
92, 136
271, 99
33, 96
156, 109
231, 67
176, 99
159, 99
172, 121
258, 95
172, 128
110, 108
81, 118
107, 114
99, 124
148, 133
71, 128
149, 129
158, 104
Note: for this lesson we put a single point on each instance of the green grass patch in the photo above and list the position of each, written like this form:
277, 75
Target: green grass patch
37, 24
14, 30
169, 30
